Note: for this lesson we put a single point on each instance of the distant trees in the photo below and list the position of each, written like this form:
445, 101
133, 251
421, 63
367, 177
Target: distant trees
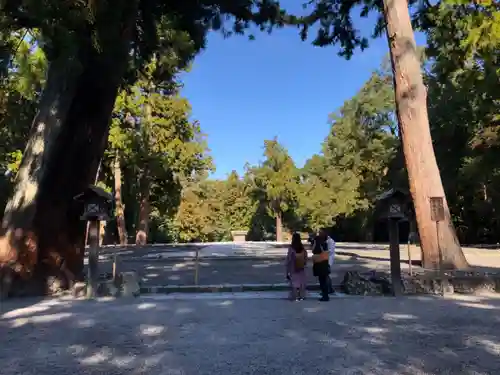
84, 54
360, 157
351, 169
152, 139
93, 49
153, 146
276, 181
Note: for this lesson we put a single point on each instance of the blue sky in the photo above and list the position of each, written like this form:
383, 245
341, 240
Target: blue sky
244, 92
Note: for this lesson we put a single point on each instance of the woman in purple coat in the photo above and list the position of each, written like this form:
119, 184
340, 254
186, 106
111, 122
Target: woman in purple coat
296, 261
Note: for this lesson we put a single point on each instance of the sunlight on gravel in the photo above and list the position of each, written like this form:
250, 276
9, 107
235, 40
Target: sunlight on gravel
232, 334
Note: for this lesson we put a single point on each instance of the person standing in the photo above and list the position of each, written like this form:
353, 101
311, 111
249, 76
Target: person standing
321, 268
330, 244
296, 262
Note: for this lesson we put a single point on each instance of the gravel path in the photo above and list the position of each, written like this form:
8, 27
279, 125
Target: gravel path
216, 272
246, 269
228, 336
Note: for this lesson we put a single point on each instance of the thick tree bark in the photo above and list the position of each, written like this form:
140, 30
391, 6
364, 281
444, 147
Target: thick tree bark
54, 225
119, 208
42, 238
279, 227
102, 231
423, 172
19, 250
141, 237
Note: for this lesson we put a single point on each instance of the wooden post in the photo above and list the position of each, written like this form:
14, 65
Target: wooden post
93, 267
395, 257
115, 267
196, 266
409, 257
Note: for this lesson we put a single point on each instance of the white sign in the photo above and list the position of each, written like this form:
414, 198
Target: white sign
395, 209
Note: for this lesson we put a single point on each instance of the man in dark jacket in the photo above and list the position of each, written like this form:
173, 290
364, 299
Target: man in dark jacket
321, 268
330, 243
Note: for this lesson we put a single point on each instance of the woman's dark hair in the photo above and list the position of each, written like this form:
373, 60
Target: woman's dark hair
297, 243
319, 245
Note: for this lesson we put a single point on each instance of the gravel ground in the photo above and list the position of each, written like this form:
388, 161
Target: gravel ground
216, 272
168, 271
213, 271
226, 336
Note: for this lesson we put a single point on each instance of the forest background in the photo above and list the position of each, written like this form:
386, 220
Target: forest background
157, 162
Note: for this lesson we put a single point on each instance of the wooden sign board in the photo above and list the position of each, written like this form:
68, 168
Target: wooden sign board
437, 208
395, 211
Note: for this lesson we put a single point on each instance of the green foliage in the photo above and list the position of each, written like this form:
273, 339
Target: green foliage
153, 137
463, 108
20, 87
460, 31
359, 158
173, 32
238, 207
169, 145
211, 209
339, 184
276, 179
348, 174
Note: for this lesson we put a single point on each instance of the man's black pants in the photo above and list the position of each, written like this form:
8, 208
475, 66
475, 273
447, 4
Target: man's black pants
330, 285
324, 285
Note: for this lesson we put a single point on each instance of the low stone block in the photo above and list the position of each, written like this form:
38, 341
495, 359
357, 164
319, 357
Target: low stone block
474, 284
79, 289
428, 285
130, 286
447, 287
108, 289
365, 284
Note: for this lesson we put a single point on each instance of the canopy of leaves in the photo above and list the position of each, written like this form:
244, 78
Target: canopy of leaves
360, 155
20, 87
153, 136
464, 45
171, 31
350, 171
211, 209
277, 178
170, 145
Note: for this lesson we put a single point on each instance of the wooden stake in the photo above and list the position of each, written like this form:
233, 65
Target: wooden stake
409, 258
115, 266
93, 270
395, 257
197, 261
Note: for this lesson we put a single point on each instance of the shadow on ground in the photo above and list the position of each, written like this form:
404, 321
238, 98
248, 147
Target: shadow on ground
369, 335
155, 272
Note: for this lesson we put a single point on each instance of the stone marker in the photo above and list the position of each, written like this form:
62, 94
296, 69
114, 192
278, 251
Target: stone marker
130, 284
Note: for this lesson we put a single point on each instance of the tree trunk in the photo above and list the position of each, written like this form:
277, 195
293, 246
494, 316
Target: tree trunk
423, 172
20, 252
42, 237
279, 228
141, 237
102, 231
119, 208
